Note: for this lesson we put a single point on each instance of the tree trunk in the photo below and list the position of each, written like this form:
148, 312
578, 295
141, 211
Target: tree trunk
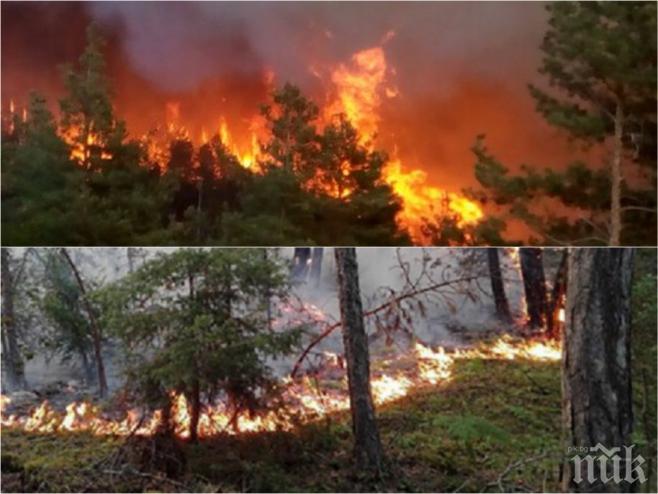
316, 265
596, 372
195, 410
616, 178
534, 284
497, 286
86, 367
300, 261
367, 446
95, 328
556, 302
14, 366
268, 297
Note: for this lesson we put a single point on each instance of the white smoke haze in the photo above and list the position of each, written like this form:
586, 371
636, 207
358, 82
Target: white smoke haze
443, 324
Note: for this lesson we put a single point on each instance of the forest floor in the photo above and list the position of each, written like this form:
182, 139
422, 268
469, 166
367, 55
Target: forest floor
495, 427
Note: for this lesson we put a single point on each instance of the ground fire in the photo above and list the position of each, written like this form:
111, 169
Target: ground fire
306, 399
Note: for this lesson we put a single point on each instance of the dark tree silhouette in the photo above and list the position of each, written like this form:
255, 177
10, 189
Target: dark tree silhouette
497, 286
534, 283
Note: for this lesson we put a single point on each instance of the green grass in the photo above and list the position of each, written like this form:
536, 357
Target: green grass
460, 435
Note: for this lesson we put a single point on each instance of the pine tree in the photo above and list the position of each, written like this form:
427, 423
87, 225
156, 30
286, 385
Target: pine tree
40, 184
87, 115
196, 321
122, 194
603, 54
316, 187
600, 58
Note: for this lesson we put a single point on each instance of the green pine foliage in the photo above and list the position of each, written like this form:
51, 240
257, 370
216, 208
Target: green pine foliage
201, 322
598, 56
40, 184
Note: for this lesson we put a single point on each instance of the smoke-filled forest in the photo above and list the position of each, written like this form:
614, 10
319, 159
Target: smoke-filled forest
326, 369
285, 124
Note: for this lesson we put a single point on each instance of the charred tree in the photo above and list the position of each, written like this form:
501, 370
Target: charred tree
96, 333
556, 301
14, 367
534, 284
497, 286
367, 446
596, 370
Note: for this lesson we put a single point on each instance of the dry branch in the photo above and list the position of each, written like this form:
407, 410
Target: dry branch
396, 299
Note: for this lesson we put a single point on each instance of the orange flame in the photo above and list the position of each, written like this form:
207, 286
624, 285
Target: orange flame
81, 152
360, 87
247, 158
304, 402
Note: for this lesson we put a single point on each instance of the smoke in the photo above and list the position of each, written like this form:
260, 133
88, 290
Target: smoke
181, 45
461, 68
440, 324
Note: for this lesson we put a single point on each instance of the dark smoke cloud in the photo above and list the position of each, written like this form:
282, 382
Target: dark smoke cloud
178, 45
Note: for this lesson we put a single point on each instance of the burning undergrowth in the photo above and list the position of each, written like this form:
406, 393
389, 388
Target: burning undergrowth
306, 399
464, 432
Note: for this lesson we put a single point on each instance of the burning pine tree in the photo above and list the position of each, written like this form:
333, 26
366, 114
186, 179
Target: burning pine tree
310, 174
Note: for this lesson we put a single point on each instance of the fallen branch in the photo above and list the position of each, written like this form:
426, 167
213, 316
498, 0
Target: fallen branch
395, 300
512, 466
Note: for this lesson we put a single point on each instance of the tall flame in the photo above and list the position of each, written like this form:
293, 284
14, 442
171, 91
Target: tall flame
360, 87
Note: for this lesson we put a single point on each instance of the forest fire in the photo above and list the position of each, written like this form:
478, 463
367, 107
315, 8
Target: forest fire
357, 89
304, 399
360, 88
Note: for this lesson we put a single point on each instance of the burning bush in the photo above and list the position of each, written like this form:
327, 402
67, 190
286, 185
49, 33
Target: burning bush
199, 323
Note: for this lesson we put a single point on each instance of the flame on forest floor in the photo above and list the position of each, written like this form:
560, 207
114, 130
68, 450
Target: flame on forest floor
305, 399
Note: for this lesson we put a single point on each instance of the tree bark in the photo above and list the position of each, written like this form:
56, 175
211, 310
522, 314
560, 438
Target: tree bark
367, 446
534, 284
596, 371
497, 286
14, 367
616, 178
95, 328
